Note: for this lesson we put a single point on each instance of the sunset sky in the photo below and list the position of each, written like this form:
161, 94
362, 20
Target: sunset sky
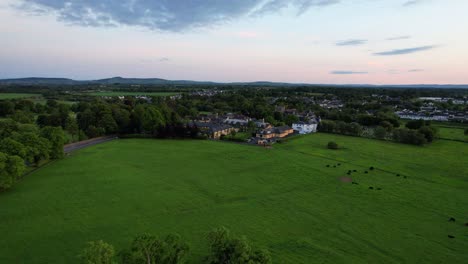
300, 41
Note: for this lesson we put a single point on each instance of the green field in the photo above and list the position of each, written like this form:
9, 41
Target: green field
452, 133
284, 199
123, 93
17, 95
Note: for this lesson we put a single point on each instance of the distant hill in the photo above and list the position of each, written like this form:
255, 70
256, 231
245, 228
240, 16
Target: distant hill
158, 81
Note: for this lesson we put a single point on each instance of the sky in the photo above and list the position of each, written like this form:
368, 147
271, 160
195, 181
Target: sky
297, 41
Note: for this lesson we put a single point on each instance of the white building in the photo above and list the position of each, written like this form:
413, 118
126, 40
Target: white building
305, 128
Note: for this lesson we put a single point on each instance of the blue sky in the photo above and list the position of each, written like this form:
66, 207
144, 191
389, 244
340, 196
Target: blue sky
313, 41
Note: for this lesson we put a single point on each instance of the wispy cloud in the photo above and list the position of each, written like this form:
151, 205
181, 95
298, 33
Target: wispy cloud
416, 70
348, 72
165, 15
404, 51
412, 2
399, 38
351, 42
301, 6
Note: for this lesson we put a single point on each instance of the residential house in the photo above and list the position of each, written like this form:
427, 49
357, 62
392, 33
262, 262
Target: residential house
270, 135
305, 127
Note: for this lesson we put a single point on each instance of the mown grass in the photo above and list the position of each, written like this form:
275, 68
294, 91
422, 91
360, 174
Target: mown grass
123, 93
17, 95
285, 199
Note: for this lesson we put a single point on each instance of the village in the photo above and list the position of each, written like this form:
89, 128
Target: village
217, 127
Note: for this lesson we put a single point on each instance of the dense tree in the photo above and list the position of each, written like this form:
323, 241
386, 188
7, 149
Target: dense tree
228, 249
6, 108
380, 132
12, 147
72, 128
56, 138
416, 124
6, 180
428, 132
23, 117
97, 252
37, 148
11, 169
148, 249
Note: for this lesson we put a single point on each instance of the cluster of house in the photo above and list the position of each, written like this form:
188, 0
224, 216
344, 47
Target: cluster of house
215, 127
445, 100
207, 92
432, 114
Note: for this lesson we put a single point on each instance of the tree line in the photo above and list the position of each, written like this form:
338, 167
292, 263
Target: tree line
224, 248
416, 132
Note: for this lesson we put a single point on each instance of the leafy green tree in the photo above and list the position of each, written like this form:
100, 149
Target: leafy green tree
72, 128
6, 108
228, 249
175, 250
415, 124
56, 138
387, 125
15, 167
23, 117
428, 132
97, 252
332, 145
37, 148
6, 179
12, 147
146, 249
7, 127
380, 132
290, 119
148, 119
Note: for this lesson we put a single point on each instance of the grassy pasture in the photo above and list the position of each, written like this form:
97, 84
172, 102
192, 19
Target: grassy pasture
17, 95
123, 93
285, 199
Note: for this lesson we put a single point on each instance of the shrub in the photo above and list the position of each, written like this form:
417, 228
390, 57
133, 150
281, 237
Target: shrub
332, 145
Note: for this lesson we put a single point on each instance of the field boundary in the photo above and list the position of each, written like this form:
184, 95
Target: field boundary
87, 143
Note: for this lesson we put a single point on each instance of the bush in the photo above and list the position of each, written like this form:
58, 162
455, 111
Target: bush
332, 145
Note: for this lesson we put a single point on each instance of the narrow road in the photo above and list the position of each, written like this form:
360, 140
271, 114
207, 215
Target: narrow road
87, 143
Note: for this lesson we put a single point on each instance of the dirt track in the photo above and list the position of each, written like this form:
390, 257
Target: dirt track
87, 143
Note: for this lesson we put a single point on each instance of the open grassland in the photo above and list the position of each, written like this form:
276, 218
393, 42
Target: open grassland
123, 93
285, 199
17, 95
451, 131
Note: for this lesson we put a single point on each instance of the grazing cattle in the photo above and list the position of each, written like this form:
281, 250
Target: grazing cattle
398, 175
450, 236
379, 189
366, 172
466, 224
328, 166
452, 219
371, 188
